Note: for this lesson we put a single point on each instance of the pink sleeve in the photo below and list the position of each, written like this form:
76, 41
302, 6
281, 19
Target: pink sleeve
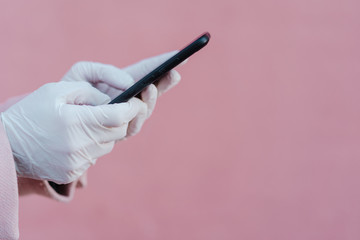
9, 200
63, 193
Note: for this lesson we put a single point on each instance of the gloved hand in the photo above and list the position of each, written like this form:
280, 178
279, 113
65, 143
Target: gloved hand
59, 130
113, 81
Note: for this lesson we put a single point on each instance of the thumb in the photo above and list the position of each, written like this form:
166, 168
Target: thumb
109, 115
84, 94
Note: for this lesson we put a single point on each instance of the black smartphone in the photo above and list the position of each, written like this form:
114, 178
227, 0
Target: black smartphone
158, 72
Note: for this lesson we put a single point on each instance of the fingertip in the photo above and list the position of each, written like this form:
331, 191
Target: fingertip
114, 115
139, 118
102, 98
169, 81
135, 106
82, 93
99, 97
149, 96
106, 100
184, 62
149, 93
136, 103
152, 88
175, 76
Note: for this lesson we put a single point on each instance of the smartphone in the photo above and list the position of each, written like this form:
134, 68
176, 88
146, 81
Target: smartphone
158, 72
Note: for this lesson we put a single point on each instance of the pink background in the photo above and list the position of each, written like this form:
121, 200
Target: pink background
259, 141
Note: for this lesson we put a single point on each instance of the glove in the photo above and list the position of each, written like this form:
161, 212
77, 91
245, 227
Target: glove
113, 81
57, 132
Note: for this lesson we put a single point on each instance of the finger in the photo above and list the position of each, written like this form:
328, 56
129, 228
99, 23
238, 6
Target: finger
140, 69
110, 91
95, 73
184, 62
83, 93
136, 124
168, 81
112, 115
149, 96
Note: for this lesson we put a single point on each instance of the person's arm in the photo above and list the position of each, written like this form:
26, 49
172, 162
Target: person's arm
111, 81
9, 200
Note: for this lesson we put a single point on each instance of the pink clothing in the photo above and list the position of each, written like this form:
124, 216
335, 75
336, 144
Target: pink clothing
12, 186
8, 191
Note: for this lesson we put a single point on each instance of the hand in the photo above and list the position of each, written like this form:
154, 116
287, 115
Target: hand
57, 132
113, 81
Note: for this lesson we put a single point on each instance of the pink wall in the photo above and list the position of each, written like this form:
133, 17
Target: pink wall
259, 141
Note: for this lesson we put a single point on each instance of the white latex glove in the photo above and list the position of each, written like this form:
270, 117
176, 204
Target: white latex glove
57, 132
113, 81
